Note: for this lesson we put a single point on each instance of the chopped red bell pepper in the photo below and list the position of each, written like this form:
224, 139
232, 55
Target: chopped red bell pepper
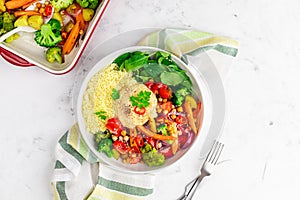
165, 92
151, 141
114, 126
180, 119
139, 111
139, 140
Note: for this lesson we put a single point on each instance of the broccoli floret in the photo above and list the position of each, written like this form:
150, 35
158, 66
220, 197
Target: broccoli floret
55, 26
54, 54
102, 135
180, 96
61, 4
88, 3
153, 158
1, 21
163, 129
6, 22
146, 148
49, 35
105, 146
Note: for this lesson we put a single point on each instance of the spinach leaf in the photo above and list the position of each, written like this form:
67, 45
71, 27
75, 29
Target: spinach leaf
115, 94
121, 59
171, 78
155, 70
135, 62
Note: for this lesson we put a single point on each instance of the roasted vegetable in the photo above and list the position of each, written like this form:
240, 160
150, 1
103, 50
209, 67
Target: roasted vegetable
88, 14
93, 4
21, 21
54, 54
2, 6
6, 22
35, 21
49, 35
153, 158
12, 38
60, 4
105, 146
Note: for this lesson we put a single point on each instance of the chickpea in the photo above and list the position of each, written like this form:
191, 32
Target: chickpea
114, 138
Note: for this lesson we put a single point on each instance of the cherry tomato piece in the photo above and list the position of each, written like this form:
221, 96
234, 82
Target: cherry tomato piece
121, 147
48, 10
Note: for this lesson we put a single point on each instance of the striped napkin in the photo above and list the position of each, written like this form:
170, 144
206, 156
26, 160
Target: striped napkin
72, 152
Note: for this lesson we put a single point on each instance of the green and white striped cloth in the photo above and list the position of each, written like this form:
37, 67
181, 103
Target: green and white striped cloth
72, 151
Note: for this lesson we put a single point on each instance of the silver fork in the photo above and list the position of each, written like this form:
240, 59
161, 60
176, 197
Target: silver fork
206, 169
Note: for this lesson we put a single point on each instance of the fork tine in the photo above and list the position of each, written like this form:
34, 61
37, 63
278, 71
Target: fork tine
215, 152
218, 153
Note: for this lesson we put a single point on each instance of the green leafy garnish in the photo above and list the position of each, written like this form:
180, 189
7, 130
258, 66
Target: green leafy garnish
115, 94
141, 100
101, 115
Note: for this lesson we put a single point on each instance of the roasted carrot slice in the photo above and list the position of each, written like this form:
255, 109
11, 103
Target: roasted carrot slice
28, 4
149, 133
79, 18
26, 12
70, 42
16, 4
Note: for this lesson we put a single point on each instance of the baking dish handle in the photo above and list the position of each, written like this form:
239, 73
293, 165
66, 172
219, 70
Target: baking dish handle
14, 59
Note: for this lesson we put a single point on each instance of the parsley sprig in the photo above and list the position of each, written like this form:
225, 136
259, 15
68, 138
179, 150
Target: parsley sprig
101, 115
115, 94
141, 100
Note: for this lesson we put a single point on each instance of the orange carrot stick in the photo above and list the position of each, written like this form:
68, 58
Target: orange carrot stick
28, 4
79, 18
16, 4
70, 42
154, 135
25, 12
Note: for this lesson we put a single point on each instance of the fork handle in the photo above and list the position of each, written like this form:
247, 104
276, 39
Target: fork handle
192, 191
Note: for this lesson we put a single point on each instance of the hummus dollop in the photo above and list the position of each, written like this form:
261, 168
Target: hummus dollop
125, 111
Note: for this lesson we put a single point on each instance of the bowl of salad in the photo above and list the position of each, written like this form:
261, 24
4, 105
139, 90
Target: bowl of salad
60, 31
141, 109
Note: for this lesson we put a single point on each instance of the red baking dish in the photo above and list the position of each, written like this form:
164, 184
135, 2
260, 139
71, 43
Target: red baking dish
24, 52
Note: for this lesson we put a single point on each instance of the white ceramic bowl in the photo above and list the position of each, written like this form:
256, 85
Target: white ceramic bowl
202, 93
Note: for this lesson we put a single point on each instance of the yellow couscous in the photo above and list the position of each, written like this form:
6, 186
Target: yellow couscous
97, 97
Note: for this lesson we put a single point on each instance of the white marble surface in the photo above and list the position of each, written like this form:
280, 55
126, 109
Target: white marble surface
261, 133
